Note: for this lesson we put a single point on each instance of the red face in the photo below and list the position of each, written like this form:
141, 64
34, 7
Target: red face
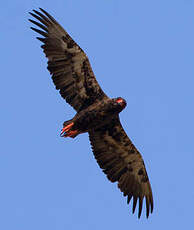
121, 102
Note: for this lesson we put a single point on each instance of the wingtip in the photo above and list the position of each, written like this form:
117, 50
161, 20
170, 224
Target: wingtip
152, 205
32, 14
29, 19
151, 209
140, 206
134, 204
43, 11
129, 198
36, 11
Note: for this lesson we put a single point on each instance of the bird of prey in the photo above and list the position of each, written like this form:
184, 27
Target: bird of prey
97, 114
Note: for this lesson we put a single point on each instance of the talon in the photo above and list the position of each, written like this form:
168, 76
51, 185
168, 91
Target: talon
67, 132
63, 132
68, 127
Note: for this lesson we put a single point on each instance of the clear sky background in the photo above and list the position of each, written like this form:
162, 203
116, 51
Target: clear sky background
140, 50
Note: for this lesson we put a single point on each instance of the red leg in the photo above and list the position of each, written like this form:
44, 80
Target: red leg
68, 127
67, 132
72, 134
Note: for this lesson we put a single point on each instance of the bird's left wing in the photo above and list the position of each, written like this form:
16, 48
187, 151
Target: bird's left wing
68, 64
122, 162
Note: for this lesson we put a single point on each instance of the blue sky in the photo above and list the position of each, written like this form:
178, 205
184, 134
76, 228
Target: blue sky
140, 50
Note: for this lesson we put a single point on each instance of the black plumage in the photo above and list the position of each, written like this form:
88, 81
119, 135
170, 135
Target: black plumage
97, 114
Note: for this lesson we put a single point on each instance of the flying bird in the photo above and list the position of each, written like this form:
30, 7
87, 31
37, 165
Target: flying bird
96, 114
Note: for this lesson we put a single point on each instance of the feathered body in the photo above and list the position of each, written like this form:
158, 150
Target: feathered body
97, 114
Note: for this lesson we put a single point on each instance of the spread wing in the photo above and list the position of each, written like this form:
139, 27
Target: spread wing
122, 162
68, 64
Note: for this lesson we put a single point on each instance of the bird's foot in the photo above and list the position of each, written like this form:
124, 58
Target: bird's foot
71, 134
67, 132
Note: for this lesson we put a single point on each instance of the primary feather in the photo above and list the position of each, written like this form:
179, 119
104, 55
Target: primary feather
68, 64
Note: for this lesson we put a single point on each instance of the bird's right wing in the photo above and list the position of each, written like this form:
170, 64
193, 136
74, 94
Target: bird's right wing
68, 64
121, 161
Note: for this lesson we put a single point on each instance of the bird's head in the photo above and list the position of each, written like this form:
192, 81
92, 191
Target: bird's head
119, 104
